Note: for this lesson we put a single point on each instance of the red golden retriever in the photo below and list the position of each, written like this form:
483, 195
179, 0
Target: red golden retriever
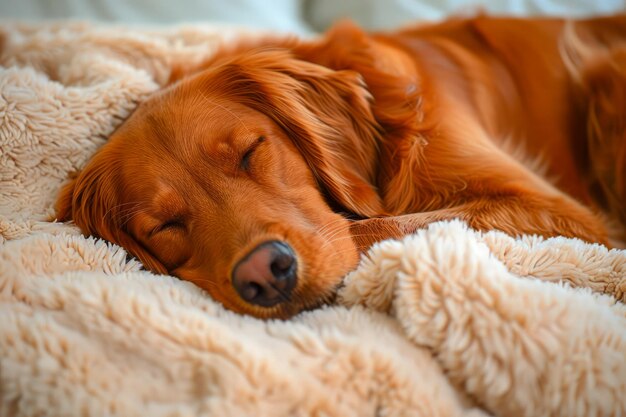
262, 173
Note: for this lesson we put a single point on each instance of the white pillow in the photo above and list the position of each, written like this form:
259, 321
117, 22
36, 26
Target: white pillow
388, 14
277, 15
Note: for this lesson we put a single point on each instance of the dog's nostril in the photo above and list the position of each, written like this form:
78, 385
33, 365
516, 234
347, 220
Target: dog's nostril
251, 291
267, 275
282, 265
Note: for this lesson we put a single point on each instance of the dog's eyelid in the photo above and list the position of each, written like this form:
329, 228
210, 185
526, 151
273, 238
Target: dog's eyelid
244, 164
245, 159
176, 222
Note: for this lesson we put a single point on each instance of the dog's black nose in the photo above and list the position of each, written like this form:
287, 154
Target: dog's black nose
267, 275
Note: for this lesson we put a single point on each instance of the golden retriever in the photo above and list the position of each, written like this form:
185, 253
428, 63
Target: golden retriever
262, 173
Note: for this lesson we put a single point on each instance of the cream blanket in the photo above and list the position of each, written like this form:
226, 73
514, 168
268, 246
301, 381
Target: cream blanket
448, 322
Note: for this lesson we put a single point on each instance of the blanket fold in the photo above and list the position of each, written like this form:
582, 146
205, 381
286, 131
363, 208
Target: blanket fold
520, 346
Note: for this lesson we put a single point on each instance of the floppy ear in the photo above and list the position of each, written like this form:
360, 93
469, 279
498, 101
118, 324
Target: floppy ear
92, 201
326, 113
399, 107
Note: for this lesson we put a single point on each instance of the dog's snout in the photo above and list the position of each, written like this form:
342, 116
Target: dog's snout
267, 275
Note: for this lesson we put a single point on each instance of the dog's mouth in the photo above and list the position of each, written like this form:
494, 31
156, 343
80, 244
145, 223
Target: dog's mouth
328, 299
297, 303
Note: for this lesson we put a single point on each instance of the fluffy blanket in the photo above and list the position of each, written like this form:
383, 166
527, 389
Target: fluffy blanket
447, 322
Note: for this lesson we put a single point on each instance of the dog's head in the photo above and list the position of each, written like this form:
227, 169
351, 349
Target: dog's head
233, 179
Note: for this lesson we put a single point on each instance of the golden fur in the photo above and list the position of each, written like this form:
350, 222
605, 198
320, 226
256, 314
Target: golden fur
334, 144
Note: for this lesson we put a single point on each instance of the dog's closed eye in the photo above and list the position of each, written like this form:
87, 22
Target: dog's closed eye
245, 159
174, 224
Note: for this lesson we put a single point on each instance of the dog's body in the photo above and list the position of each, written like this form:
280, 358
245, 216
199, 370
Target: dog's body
234, 176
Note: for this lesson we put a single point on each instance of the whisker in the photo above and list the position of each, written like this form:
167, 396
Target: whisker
118, 206
210, 283
132, 215
333, 236
327, 232
328, 225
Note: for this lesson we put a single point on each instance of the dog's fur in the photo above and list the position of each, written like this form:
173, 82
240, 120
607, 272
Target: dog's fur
333, 144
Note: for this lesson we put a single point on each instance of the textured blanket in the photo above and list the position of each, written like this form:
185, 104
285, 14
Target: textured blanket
447, 322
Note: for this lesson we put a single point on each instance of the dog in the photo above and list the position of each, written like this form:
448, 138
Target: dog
262, 173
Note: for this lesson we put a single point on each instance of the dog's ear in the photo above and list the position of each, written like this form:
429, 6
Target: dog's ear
326, 113
402, 105
91, 201
63, 205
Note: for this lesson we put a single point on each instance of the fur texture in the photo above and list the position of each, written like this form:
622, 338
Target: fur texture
331, 145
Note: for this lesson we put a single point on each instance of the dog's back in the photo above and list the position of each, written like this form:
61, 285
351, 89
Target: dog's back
549, 92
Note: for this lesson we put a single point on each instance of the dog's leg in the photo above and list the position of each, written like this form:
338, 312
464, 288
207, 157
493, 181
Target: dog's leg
541, 215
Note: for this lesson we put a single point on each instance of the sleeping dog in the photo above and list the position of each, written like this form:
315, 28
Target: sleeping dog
262, 173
